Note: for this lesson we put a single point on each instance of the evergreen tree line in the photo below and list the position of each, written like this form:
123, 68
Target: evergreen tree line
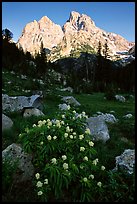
86, 76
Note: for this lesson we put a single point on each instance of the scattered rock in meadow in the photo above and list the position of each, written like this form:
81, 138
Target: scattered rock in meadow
17, 103
25, 170
98, 129
120, 98
71, 100
110, 118
128, 115
69, 89
126, 161
27, 112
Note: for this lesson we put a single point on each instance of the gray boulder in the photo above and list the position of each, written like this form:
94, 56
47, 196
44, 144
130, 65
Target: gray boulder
110, 118
27, 112
98, 129
70, 100
7, 123
25, 168
17, 103
126, 161
120, 98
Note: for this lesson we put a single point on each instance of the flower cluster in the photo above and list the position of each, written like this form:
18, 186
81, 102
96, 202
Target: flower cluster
64, 152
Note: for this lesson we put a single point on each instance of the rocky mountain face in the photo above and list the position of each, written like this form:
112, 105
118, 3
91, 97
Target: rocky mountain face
79, 33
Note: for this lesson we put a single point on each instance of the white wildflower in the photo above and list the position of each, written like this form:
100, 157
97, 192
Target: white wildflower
49, 137
40, 193
99, 184
95, 161
102, 168
54, 160
87, 131
41, 143
91, 143
34, 125
65, 166
55, 137
71, 136
81, 137
82, 149
39, 184
85, 158
85, 179
37, 175
64, 157
66, 135
91, 176
46, 181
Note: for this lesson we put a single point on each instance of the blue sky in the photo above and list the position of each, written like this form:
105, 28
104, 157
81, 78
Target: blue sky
117, 17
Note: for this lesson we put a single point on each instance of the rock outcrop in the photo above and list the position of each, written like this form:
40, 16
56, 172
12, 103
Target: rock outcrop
25, 170
17, 103
78, 33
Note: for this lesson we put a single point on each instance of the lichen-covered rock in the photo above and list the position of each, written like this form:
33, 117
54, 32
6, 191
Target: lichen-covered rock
14, 153
120, 98
126, 161
17, 103
98, 129
63, 106
110, 118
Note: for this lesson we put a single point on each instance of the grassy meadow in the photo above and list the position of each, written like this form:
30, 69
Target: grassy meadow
122, 134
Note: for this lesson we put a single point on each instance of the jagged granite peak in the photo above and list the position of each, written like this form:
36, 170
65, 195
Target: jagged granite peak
79, 31
36, 32
77, 22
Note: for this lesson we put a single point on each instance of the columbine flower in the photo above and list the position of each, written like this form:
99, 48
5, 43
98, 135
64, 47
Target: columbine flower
37, 175
74, 111
65, 166
81, 137
34, 125
66, 135
41, 143
39, 184
63, 116
91, 143
54, 160
48, 120
55, 137
40, 193
74, 133
64, 157
99, 184
71, 136
49, 124
49, 137
82, 149
102, 168
85, 158
71, 130
91, 176
95, 162
85, 179
58, 125
46, 181
87, 131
